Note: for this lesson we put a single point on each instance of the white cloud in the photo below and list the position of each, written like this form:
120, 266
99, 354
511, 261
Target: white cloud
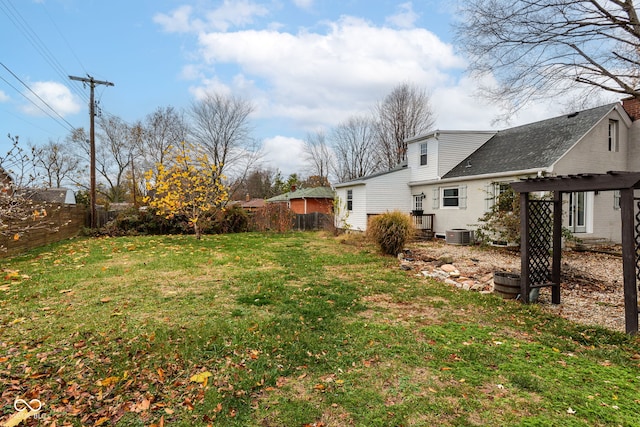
284, 152
56, 95
322, 78
303, 4
460, 108
3, 97
405, 18
232, 13
177, 21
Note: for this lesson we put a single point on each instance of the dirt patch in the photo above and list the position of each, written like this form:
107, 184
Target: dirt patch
591, 284
386, 310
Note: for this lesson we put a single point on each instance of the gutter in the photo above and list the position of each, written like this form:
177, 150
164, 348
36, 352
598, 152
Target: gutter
538, 171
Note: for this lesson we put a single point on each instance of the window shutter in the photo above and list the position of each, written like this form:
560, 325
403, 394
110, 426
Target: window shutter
462, 197
616, 200
436, 198
489, 197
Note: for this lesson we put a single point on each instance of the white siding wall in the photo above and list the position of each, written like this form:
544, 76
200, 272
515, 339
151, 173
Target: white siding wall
423, 172
592, 155
389, 192
633, 163
455, 147
355, 219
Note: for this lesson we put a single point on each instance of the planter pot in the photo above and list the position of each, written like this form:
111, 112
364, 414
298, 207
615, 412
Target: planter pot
506, 284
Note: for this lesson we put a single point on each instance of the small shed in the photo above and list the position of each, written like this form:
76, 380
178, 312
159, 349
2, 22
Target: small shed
541, 232
307, 200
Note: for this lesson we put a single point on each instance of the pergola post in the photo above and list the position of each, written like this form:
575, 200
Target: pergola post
557, 247
626, 183
525, 247
629, 261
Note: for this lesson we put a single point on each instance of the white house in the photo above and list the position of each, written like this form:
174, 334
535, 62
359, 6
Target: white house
455, 176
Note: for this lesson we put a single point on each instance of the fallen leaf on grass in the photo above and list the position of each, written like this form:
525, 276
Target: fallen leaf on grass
19, 417
201, 377
101, 421
107, 381
571, 411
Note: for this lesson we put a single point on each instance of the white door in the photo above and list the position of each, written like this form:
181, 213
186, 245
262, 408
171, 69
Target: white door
578, 212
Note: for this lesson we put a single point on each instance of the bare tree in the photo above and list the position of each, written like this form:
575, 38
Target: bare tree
318, 155
541, 48
163, 128
354, 147
220, 125
404, 113
116, 146
57, 163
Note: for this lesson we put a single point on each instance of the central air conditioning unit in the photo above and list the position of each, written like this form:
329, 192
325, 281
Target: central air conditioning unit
459, 236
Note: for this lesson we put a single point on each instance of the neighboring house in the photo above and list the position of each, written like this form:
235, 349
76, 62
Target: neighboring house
457, 182
307, 200
249, 204
52, 195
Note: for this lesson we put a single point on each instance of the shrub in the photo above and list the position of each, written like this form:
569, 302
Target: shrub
273, 217
232, 219
391, 231
502, 222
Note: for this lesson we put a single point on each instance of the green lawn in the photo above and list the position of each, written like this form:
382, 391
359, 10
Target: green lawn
289, 330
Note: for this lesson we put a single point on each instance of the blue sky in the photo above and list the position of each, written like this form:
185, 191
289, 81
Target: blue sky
305, 64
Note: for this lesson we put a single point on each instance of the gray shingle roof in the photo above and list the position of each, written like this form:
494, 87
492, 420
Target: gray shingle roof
530, 146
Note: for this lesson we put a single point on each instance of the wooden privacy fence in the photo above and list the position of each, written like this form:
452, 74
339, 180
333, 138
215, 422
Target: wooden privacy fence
61, 222
313, 221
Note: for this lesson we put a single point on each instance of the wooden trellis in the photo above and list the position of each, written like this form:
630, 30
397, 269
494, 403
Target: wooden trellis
541, 233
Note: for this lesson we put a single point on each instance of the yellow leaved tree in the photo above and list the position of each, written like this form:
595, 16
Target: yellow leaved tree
187, 184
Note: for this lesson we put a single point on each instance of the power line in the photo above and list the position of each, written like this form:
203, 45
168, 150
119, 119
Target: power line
71, 127
32, 37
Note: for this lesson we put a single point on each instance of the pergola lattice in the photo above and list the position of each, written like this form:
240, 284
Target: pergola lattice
541, 233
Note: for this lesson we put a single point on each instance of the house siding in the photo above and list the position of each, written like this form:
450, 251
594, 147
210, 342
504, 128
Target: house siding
445, 150
592, 154
355, 219
373, 196
311, 205
456, 147
389, 192
467, 217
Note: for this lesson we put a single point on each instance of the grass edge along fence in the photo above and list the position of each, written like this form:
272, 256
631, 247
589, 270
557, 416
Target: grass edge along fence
61, 222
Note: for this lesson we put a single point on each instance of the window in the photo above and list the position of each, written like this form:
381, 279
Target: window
613, 136
450, 197
349, 200
417, 202
494, 196
423, 154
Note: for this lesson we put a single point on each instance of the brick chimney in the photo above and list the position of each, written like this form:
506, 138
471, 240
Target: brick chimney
632, 106
293, 188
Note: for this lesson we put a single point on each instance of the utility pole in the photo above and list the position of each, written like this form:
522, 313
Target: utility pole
92, 140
